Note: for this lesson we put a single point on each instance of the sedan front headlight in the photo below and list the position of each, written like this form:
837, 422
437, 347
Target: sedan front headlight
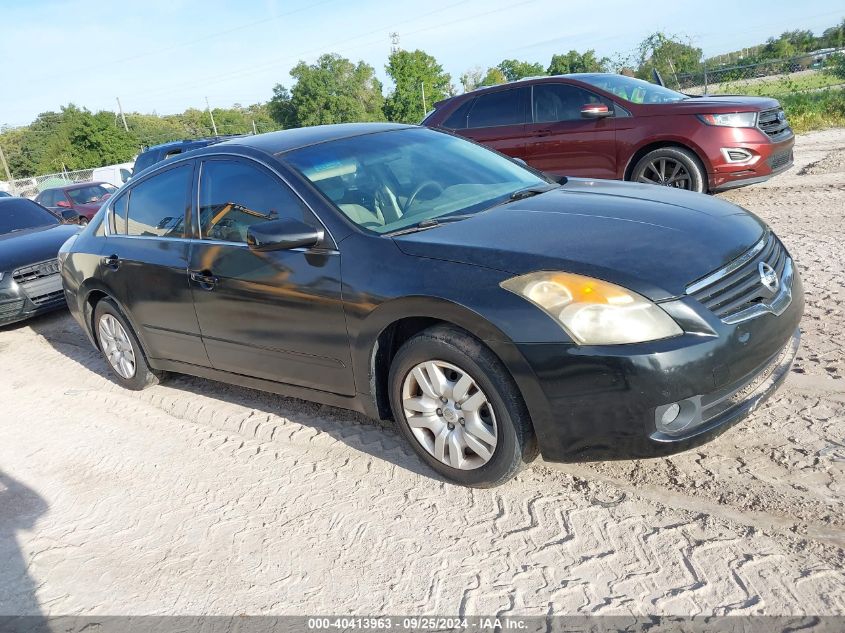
594, 312
730, 119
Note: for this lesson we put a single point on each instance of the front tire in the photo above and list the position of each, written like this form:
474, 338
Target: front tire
121, 349
671, 167
459, 408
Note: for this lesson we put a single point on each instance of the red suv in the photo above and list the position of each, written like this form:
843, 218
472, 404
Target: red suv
613, 126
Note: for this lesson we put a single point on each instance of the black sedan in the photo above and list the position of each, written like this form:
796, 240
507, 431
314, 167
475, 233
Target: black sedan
30, 238
413, 275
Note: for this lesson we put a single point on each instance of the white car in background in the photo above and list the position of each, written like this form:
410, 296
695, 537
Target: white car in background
114, 174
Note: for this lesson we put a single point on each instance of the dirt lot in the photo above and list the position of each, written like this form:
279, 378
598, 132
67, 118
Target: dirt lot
198, 498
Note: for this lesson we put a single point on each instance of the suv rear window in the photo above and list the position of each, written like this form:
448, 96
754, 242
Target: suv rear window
497, 108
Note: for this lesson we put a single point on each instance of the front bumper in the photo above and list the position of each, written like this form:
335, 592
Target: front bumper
17, 305
768, 160
589, 402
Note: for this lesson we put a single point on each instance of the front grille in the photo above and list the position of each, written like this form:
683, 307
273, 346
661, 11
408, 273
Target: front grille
739, 286
36, 271
773, 123
41, 282
776, 161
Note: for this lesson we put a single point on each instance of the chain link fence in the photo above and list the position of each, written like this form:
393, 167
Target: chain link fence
31, 187
801, 73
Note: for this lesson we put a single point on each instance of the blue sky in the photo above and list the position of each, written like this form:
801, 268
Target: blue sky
166, 55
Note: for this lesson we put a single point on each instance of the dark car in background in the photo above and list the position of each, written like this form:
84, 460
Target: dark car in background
410, 274
617, 127
30, 238
157, 153
85, 198
5, 194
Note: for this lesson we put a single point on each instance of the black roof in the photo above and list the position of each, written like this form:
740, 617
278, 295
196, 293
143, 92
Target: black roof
287, 140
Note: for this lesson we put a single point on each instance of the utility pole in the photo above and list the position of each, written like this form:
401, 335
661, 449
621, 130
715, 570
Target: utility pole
213, 125
705, 76
122, 116
5, 167
394, 42
254, 131
422, 88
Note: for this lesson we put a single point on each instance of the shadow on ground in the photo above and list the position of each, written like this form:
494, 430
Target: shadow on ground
377, 438
20, 508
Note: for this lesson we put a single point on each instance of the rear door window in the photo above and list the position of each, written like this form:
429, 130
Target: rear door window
157, 205
505, 107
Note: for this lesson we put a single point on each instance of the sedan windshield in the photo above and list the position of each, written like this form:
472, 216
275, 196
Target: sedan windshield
88, 195
391, 180
20, 214
633, 90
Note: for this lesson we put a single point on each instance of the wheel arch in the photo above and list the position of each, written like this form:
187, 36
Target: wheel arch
395, 322
94, 292
661, 143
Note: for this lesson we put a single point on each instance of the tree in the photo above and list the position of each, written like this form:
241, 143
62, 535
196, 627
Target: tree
575, 62
514, 69
332, 90
668, 54
411, 71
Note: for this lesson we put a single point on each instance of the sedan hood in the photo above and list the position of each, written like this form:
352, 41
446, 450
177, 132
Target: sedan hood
653, 240
32, 246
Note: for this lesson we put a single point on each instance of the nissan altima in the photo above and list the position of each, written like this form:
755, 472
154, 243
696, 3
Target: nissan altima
412, 275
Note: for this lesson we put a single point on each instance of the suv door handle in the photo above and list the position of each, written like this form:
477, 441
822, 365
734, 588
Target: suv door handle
545, 132
204, 278
112, 261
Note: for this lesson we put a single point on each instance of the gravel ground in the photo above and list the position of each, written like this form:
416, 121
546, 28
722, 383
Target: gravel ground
195, 497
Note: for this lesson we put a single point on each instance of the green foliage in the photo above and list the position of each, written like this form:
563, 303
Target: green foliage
575, 62
514, 69
410, 71
333, 90
815, 110
75, 138
835, 65
668, 54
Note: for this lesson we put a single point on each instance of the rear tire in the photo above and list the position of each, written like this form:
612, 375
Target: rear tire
476, 411
120, 348
671, 167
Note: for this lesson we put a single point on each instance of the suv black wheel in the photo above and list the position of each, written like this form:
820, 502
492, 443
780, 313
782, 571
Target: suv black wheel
459, 408
671, 167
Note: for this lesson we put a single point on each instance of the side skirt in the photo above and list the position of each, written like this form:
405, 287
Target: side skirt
360, 403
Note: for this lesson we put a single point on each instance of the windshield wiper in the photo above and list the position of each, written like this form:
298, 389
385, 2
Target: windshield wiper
529, 192
430, 223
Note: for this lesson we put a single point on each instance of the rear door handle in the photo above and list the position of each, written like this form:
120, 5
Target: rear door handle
112, 261
204, 278
546, 132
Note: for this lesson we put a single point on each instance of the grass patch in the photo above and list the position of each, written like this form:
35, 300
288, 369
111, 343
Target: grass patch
784, 85
807, 111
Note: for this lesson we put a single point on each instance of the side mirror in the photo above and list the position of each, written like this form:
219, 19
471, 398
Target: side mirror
63, 203
595, 111
282, 235
519, 160
69, 216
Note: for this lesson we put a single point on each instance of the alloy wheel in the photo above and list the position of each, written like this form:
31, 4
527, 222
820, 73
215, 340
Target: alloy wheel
449, 415
667, 172
116, 346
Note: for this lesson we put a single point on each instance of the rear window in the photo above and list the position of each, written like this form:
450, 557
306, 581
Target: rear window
20, 214
143, 161
497, 108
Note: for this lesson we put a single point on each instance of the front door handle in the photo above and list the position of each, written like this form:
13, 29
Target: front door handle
112, 262
204, 278
546, 132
